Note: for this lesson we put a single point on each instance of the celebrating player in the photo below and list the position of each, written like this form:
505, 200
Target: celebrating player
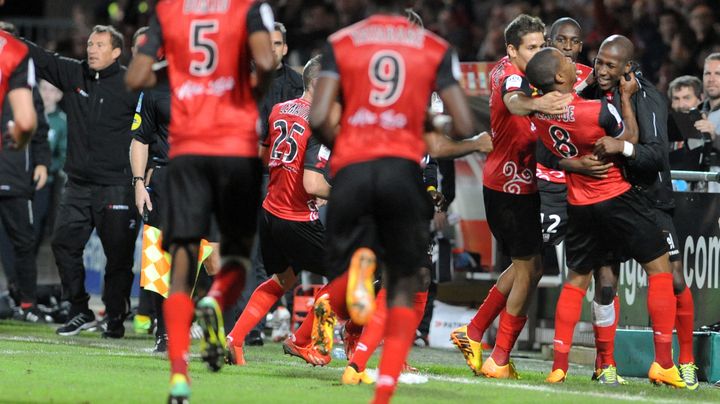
213, 166
604, 215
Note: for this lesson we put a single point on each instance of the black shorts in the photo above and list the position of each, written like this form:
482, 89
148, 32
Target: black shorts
381, 204
553, 211
286, 243
200, 187
664, 219
514, 221
624, 225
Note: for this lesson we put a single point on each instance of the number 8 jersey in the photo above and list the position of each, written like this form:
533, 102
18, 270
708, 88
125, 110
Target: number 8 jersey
573, 135
387, 69
213, 112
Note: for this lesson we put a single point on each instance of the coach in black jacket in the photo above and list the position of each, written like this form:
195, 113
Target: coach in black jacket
98, 193
21, 171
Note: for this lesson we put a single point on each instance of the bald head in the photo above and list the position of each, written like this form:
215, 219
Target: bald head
620, 46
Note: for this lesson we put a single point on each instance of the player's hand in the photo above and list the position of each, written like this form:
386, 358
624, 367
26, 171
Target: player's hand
320, 202
589, 165
607, 146
705, 126
438, 199
440, 221
142, 197
552, 103
40, 176
484, 143
628, 87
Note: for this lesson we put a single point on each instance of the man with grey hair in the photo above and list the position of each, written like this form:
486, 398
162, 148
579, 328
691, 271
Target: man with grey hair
711, 110
687, 152
98, 194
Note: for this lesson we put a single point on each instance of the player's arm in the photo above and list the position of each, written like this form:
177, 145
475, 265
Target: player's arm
324, 111
440, 146
39, 144
144, 132
260, 22
140, 73
315, 169
453, 96
517, 96
20, 98
650, 154
615, 127
588, 164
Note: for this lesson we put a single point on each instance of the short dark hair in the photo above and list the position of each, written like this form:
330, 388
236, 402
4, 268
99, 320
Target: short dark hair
280, 27
685, 81
521, 26
541, 69
311, 71
140, 31
561, 22
116, 38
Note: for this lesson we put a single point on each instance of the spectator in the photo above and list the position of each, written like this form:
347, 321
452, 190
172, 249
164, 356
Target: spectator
685, 94
98, 193
57, 139
711, 110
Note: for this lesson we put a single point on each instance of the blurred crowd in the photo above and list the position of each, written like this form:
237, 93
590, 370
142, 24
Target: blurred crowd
672, 37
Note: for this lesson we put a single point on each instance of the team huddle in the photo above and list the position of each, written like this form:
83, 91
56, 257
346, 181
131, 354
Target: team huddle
585, 143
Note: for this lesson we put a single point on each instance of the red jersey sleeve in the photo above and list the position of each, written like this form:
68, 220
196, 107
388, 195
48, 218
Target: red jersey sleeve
610, 119
153, 39
516, 82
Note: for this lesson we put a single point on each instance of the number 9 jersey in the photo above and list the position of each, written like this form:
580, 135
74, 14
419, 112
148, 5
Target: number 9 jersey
387, 70
213, 112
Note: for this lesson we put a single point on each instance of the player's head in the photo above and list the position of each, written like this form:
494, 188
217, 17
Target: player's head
279, 43
685, 93
711, 76
310, 73
549, 70
103, 47
138, 39
566, 35
614, 58
8, 27
524, 36
414, 18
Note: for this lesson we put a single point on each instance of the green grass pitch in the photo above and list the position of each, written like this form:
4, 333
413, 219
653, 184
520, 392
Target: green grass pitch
38, 366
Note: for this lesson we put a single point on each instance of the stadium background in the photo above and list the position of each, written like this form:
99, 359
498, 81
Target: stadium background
475, 29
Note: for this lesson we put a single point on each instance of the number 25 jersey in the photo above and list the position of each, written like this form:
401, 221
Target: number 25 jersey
387, 70
213, 112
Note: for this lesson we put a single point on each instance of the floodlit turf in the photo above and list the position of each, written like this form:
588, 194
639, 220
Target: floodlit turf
38, 366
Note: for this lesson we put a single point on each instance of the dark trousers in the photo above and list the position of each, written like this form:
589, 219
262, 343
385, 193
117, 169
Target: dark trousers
17, 218
110, 209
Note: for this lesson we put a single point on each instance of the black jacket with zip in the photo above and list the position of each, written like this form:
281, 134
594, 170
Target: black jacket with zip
17, 166
99, 112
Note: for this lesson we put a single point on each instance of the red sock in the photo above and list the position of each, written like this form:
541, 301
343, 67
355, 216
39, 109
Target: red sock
605, 333
662, 306
419, 306
178, 312
259, 304
684, 324
508, 331
228, 284
567, 315
372, 334
336, 291
399, 333
488, 311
